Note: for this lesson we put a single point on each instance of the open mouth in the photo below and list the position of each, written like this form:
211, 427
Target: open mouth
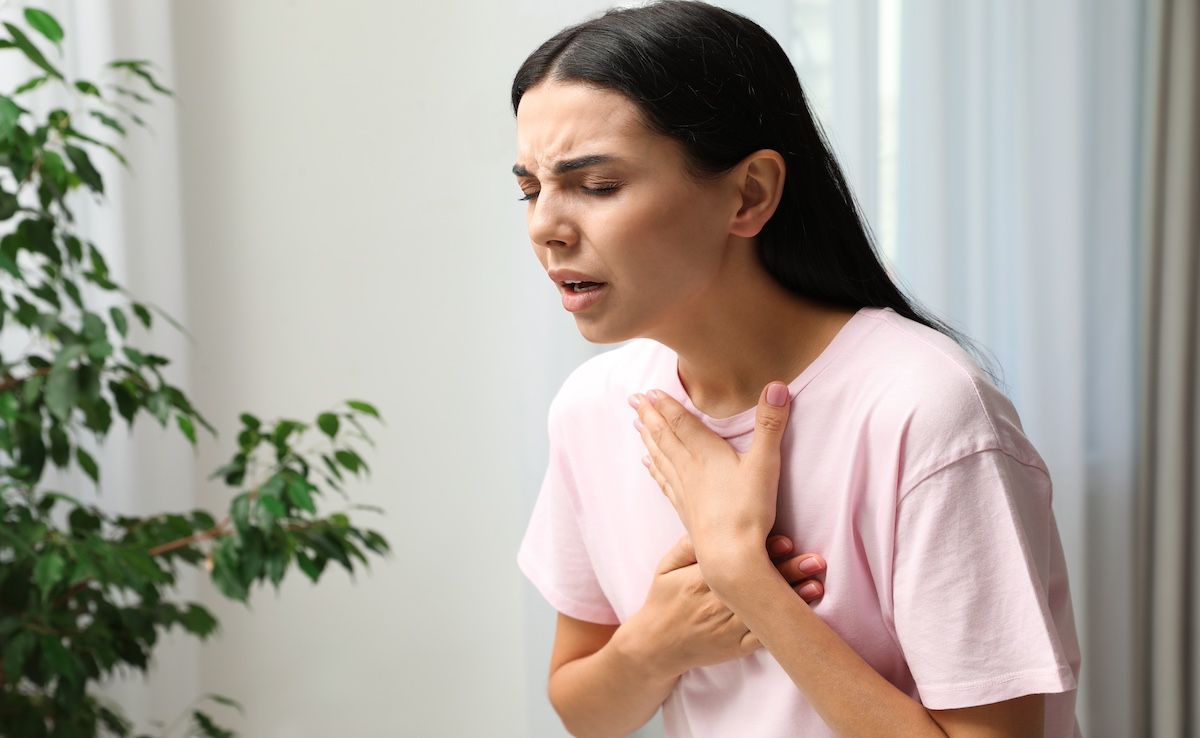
582, 286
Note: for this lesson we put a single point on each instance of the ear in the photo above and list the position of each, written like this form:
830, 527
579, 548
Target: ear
759, 179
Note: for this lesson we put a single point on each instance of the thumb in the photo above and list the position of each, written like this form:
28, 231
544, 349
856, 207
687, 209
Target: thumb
678, 556
774, 405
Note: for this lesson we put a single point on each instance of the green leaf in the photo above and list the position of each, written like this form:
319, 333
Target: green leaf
44, 24
142, 313
285, 428
60, 446
132, 94
16, 651
86, 172
83, 521
273, 506
22, 42
62, 389
225, 570
350, 460
8, 205
32, 84
108, 121
298, 493
310, 566
87, 88
364, 407
119, 320
226, 701
373, 540
185, 425
9, 113
54, 172
328, 423
240, 512
88, 464
72, 291
48, 571
199, 621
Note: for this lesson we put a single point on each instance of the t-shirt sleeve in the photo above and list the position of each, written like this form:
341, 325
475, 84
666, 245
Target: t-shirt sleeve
554, 553
975, 546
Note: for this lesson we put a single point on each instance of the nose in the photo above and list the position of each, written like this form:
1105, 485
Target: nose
549, 224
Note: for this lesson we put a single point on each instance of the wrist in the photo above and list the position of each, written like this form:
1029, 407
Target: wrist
640, 653
727, 568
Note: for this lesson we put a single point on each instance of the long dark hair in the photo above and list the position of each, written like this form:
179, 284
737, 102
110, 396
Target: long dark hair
722, 86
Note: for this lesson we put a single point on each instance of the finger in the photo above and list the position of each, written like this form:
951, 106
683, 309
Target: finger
664, 431
770, 422
679, 555
801, 567
692, 434
779, 545
810, 591
660, 466
749, 643
663, 483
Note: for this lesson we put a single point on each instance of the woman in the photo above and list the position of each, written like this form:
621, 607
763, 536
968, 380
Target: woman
682, 198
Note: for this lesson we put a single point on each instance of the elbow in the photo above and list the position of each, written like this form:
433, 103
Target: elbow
568, 718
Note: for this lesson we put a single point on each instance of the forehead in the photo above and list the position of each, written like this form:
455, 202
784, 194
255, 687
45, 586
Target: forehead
559, 120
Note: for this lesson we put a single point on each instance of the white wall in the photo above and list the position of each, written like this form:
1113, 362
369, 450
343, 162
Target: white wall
353, 231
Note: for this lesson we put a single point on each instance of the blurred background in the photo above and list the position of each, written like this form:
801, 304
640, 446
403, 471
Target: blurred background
327, 207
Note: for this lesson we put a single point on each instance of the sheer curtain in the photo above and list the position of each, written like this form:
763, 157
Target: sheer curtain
994, 149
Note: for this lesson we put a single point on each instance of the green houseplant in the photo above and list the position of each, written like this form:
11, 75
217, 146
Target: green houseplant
84, 592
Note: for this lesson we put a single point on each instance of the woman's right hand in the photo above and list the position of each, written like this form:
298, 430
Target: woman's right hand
684, 625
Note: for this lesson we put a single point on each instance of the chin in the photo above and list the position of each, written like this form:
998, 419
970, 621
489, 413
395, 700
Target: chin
597, 333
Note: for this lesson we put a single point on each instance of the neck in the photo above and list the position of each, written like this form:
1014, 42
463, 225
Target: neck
745, 332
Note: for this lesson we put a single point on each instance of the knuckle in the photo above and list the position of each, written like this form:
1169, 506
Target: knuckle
772, 423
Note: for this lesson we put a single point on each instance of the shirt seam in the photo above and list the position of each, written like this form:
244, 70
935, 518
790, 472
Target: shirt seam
912, 487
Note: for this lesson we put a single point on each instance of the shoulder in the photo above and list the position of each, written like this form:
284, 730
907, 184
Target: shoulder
919, 383
610, 376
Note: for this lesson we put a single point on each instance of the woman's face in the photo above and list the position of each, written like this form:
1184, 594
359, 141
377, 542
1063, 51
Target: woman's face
634, 220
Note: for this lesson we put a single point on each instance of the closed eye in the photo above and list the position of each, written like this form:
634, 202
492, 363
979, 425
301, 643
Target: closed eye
595, 191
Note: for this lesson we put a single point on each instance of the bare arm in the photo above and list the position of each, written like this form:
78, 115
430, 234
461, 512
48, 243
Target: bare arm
609, 691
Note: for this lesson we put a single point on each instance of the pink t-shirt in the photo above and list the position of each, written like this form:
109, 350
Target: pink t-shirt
903, 466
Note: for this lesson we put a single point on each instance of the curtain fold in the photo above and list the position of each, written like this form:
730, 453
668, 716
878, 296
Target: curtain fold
1169, 616
1017, 222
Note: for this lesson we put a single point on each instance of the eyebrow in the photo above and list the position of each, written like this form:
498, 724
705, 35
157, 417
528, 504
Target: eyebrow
570, 165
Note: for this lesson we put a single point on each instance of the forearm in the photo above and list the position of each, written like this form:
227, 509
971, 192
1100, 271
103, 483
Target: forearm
848, 694
612, 692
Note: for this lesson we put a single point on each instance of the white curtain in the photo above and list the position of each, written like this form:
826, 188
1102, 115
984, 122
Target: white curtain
137, 228
994, 148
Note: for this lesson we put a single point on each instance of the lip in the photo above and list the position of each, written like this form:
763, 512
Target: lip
576, 302
561, 275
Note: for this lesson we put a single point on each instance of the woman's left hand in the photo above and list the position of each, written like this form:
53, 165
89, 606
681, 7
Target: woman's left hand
725, 499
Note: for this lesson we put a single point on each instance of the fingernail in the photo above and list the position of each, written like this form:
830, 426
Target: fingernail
646, 461
779, 546
634, 400
777, 394
810, 590
654, 396
637, 423
811, 565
